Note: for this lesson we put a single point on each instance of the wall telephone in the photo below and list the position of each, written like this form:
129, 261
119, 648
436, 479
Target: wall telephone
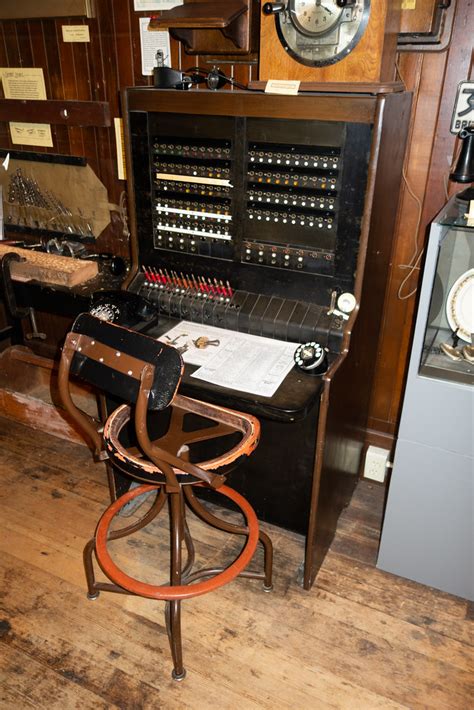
124, 308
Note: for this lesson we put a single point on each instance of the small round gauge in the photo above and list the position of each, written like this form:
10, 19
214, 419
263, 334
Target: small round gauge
312, 17
311, 357
346, 302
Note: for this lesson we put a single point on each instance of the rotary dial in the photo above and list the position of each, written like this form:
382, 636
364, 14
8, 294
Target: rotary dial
311, 357
106, 311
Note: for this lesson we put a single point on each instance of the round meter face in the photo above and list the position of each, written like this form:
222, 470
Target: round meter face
313, 17
321, 32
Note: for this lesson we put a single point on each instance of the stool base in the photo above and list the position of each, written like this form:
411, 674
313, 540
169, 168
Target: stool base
184, 583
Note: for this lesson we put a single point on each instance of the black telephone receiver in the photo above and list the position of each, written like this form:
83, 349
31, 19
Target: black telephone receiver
124, 308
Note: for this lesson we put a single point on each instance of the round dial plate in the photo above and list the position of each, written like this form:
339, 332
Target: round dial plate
311, 357
105, 311
320, 32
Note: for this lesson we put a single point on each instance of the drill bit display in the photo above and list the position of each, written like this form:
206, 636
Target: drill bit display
29, 207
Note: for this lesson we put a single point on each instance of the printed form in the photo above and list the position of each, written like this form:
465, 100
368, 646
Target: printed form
238, 361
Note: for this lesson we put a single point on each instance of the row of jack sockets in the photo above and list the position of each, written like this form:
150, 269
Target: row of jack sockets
286, 258
301, 180
204, 246
193, 151
221, 208
292, 199
193, 189
215, 172
291, 218
173, 228
293, 159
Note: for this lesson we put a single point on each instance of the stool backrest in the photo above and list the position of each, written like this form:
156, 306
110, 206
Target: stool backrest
111, 358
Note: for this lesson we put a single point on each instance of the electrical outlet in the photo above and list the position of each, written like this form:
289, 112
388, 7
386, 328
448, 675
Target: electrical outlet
376, 463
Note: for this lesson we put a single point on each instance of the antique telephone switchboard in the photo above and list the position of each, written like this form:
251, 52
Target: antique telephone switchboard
241, 206
252, 213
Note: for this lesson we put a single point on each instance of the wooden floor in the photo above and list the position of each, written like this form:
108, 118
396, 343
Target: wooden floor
360, 639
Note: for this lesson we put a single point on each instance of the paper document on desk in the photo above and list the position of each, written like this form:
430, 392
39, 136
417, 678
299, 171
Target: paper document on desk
238, 361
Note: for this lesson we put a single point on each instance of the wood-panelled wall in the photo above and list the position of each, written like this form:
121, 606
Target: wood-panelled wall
111, 61
433, 78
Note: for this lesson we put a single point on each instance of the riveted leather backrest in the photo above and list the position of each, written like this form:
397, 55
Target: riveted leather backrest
111, 358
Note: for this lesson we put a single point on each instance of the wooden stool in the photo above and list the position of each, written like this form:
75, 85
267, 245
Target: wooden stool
146, 373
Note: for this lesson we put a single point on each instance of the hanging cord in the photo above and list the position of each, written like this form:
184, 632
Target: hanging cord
413, 264
199, 75
123, 214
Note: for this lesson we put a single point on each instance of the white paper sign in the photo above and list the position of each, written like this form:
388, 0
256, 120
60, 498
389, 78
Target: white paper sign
277, 86
26, 83
463, 114
76, 33
150, 43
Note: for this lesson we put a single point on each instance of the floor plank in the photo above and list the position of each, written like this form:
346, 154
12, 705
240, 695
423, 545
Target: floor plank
361, 638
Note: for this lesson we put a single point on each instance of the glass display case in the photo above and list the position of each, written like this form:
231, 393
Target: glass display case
448, 346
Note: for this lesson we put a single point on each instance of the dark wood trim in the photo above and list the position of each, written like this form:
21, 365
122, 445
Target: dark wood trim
341, 435
66, 113
329, 87
374, 437
198, 15
360, 109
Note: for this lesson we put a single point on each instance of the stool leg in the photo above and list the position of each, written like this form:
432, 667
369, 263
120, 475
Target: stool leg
92, 592
173, 608
202, 512
267, 560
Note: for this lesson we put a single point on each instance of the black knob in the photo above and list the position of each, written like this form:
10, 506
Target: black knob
311, 357
273, 8
345, 3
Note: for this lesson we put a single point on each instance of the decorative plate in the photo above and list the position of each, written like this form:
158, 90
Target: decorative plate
460, 306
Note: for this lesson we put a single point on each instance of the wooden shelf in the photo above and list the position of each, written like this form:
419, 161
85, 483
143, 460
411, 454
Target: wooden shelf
331, 87
196, 24
200, 15
32, 9
69, 113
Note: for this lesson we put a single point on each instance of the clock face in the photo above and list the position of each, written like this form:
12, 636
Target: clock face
320, 32
313, 17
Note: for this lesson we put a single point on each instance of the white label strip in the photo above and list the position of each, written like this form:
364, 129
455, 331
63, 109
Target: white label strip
192, 213
194, 232
193, 178
276, 86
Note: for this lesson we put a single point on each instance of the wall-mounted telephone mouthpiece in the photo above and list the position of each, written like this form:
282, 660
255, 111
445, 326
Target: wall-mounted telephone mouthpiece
273, 8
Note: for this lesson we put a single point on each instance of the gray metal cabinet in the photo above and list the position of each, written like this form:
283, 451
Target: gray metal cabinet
428, 533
